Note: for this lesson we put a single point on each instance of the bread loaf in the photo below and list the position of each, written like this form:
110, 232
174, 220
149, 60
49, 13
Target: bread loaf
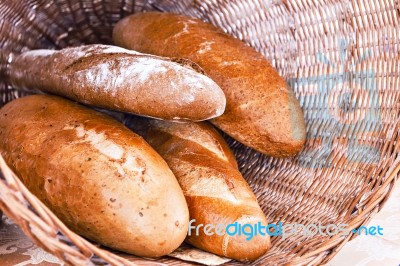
215, 190
119, 79
101, 179
261, 112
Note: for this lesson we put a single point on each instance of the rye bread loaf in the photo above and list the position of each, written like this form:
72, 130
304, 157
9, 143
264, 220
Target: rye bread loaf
122, 80
261, 112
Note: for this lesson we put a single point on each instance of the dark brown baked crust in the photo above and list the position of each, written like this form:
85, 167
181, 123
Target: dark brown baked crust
262, 111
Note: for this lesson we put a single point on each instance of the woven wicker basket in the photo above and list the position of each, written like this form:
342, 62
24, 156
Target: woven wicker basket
340, 57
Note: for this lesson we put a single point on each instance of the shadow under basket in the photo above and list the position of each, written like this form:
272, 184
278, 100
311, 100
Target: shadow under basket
341, 59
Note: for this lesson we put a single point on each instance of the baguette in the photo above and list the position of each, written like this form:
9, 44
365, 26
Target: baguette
101, 179
261, 112
122, 80
215, 190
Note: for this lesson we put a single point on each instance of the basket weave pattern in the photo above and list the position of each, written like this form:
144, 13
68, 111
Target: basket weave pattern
340, 57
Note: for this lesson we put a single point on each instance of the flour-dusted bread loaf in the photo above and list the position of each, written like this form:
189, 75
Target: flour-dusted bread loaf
122, 80
261, 112
215, 190
101, 179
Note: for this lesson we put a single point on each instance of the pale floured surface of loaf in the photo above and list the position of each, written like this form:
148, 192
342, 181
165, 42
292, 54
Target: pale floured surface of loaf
200, 134
102, 180
211, 181
97, 140
122, 80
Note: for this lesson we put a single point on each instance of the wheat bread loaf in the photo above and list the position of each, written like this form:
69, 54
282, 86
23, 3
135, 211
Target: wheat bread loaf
122, 80
101, 179
214, 188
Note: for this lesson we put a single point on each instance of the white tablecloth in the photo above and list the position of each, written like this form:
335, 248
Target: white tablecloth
376, 250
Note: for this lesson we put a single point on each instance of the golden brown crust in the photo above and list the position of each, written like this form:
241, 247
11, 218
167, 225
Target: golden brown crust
215, 190
101, 179
261, 110
118, 79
